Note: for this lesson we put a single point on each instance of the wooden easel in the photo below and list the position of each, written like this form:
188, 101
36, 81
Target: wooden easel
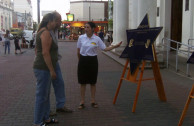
133, 78
191, 95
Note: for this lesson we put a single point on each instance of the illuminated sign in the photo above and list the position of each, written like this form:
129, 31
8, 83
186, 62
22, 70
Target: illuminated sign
70, 17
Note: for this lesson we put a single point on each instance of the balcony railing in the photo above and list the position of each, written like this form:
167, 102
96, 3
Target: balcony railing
190, 48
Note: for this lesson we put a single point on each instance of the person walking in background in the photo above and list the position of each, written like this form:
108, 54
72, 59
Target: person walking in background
44, 69
23, 44
34, 38
1, 41
17, 46
87, 46
58, 83
34, 35
101, 35
110, 38
106, 39
32, 45
7, 41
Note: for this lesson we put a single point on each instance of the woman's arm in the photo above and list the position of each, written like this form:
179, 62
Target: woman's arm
112, 46
35, 50
46, 45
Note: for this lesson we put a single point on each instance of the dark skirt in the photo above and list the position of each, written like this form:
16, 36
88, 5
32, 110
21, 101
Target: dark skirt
87, 69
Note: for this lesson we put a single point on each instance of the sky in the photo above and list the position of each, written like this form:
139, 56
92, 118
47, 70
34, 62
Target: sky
62, 6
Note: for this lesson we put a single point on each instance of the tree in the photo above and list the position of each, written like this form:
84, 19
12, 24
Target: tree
110, 11
35, 26
110, 24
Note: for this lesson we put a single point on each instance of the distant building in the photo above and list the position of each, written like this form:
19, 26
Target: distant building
46, 12
6, 12
84, 11
23, 6
23, 9
89, 10
22, 20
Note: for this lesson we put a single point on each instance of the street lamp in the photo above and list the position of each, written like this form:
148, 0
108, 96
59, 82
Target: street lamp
38, 10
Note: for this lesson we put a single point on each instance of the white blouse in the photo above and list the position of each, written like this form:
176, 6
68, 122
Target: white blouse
89, 46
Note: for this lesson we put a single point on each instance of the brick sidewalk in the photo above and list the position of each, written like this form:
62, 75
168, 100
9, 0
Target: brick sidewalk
17, 91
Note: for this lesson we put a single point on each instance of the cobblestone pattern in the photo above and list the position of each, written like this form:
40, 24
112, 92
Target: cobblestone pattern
17, 92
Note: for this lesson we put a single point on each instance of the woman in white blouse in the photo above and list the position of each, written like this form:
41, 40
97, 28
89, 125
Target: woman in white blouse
87, 46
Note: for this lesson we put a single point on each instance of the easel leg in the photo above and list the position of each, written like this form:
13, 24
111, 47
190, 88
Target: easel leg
157, 76
159, 82
117, 92
120, 82
186, 106
138, 87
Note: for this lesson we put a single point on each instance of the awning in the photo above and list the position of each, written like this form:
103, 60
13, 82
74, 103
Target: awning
82, 23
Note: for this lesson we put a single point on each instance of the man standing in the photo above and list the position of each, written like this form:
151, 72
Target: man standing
58, 83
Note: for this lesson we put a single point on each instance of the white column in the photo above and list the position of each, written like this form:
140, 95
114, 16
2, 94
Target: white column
167, 20
120, 22
191, 21
114, 20
160, 21
187, 23
134, 16
147, 6
1, 11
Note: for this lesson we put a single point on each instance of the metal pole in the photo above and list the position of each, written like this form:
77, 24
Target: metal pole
90, 11
188, 58
177, 57
188, 55
167, 57
89, 14
25, 27
38, 10
191, 20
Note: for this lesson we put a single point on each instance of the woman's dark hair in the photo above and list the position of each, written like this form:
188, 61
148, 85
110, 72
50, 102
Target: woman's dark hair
92, 25
7, 31
55, 15
46, 19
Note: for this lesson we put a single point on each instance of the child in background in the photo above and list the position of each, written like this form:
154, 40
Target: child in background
16, 42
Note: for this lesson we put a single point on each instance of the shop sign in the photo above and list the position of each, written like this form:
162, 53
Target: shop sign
70, 17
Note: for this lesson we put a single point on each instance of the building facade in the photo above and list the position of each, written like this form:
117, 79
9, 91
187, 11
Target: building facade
175, 16
188, 22
23, 10
89, 10
84, 11
6, 12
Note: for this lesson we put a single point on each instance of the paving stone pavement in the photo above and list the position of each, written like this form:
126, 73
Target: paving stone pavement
17, 94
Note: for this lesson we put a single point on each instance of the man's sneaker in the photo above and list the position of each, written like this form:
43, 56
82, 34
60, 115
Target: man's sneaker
43, 124
64, 109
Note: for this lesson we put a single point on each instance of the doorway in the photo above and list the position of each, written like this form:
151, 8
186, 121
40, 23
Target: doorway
176, 21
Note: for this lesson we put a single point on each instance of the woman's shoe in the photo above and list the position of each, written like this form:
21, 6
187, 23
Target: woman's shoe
94, 105
81, 106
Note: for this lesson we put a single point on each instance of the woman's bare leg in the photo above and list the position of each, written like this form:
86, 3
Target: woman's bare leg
83, 90
93, 92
